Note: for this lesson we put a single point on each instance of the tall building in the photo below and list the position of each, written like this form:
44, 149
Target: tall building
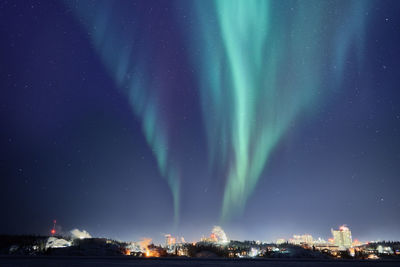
342, 237
169, 241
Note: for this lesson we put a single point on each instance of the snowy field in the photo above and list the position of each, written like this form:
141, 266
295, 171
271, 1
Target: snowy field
125, 261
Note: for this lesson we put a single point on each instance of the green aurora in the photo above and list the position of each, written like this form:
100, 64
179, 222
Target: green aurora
262, 63
128, 65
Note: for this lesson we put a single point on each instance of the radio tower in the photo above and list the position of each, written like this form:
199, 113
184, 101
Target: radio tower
53, 231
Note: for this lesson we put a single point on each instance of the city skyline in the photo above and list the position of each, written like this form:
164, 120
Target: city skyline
340, 239
132, 119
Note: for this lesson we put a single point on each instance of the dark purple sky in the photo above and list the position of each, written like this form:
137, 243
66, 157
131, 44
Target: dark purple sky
73, 145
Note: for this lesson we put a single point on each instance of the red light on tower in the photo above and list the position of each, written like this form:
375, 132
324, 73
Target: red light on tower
53, 231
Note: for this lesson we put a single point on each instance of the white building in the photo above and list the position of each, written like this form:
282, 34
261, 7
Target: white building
301, 239
342, 237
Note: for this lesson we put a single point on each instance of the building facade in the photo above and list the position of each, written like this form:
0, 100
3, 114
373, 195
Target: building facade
342, 237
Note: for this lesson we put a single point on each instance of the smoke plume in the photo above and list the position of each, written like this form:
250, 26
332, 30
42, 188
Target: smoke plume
76, 233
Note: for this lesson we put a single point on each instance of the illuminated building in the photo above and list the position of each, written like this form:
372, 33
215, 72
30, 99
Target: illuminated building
320, 241
280, 241
384, 250
357, 243
169, 241
342, 237
301, 239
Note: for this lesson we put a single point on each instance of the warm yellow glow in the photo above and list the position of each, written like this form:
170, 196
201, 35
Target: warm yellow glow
152, 253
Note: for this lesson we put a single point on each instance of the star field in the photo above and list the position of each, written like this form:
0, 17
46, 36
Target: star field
139, 118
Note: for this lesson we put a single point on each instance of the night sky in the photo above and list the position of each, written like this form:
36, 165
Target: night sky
133, 119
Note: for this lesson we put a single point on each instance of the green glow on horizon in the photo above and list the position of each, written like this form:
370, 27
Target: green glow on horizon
262, 63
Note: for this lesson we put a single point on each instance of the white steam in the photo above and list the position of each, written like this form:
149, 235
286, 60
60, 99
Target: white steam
219, 233
76, 233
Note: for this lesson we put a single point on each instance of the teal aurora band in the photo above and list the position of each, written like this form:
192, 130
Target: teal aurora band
260, 64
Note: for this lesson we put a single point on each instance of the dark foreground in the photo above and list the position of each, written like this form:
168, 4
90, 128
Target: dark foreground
127, 261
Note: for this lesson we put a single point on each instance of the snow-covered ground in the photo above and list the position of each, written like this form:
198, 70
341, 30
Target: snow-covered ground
126, 261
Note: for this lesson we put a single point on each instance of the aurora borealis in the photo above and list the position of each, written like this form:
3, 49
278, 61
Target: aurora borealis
115, 46
262, 63
131, 117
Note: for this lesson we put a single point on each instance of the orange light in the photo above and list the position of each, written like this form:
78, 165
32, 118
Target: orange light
53, 231
152, 253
